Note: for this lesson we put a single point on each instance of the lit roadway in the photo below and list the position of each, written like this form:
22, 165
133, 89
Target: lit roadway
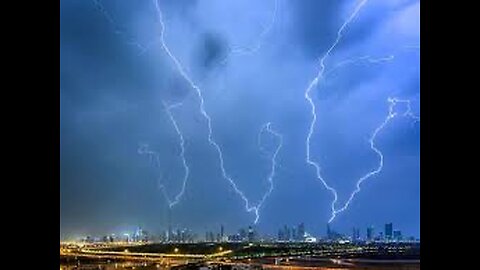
98, 252
301, 259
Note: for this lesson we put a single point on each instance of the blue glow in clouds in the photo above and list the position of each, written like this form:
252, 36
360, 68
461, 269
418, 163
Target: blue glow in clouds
322, 85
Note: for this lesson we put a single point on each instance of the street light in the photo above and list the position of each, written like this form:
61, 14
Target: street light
175, 250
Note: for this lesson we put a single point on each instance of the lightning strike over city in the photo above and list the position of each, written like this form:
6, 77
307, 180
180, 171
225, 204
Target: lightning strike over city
311, 86
144, 149
239, 134
248, 205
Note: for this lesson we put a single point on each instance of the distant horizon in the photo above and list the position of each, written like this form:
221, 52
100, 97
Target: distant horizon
200, 234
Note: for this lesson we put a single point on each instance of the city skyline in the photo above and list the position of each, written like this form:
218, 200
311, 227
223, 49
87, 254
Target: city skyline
288, 233
190, 115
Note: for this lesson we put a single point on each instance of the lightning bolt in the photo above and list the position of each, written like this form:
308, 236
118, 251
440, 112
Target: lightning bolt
273, 166
365, 58
144, 149
182, 154
393, 101
142, 48
314, 83
212, 142
98, 4
391, 115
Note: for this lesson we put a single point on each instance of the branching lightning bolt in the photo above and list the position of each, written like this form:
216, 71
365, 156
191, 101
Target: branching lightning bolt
271, 175
321, 75
144, 149
182, 154
393, 101
314, 83
212, 142
391, 114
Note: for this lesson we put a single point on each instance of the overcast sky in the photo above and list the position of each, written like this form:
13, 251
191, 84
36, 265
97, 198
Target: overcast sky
114, 76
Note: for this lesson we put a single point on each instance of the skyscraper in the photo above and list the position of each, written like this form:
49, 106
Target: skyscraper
355, 234
243, 234
389, 231
281, 236
397, 235
251, 234
287, 233
370, 233
301, 232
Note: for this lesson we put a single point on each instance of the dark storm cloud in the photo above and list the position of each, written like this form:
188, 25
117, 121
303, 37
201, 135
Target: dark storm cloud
212, 49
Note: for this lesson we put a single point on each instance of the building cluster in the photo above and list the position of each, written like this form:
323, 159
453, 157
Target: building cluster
243, 235
292, 234
249, 234
387, 235
220, 236
178, 236
139, 235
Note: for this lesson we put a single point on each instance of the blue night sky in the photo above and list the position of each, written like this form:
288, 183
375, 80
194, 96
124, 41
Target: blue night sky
115, 76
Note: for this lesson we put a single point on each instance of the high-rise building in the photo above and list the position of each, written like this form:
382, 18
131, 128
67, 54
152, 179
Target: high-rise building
389, 231
211, 237
370, 233
221, 231
301, 232
243, 234
138, 235
286, 233
332, 234
251, 234
355, 234
397, 235
281, 235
